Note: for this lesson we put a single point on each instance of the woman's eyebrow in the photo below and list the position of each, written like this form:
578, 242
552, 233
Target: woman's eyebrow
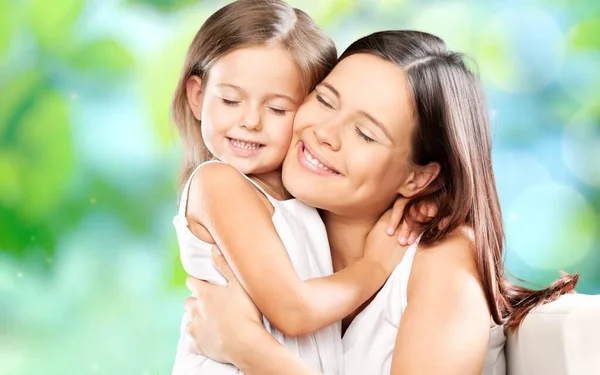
366, 115
376, 123
331, 88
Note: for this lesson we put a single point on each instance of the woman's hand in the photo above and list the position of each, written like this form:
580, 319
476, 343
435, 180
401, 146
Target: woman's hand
223, 319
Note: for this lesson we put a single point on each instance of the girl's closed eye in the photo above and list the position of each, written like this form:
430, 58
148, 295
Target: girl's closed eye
231, 103
363, 135
278, 111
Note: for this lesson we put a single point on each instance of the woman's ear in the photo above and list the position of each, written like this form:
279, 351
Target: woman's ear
195, 95
419, 179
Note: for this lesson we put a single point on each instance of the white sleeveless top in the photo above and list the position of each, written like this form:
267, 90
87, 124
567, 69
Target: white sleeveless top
303, 234
369, 340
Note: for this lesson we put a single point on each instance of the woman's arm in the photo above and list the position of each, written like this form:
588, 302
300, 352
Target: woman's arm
445, 327
235, 335
239, 220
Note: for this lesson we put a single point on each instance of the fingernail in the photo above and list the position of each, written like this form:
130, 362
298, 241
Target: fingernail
216, 250
390, 230
403, 240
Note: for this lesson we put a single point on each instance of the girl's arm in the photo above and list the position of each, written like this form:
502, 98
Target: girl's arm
239, 220
235, 335
266, 356
445, 327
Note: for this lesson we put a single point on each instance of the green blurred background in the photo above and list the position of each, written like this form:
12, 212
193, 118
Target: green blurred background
90, 280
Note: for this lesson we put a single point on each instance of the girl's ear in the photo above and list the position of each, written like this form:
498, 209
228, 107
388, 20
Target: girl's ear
195, 95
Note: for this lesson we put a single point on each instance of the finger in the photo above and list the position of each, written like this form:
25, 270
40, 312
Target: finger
412, 237
190, 306
221, 265
197, 287
423, 211
188, 328
404, 232
192, 346
432, 211
395, 217
444, 223
194, 349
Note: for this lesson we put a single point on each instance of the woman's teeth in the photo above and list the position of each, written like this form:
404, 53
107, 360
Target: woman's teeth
246, 145
315, 162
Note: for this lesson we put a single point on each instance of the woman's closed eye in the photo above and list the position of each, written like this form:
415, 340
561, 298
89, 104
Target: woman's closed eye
324, 102
363, 135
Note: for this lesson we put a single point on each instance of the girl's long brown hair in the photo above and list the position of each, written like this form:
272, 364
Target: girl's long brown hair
453, 130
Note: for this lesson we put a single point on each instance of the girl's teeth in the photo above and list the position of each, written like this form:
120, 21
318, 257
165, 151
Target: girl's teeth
245, 145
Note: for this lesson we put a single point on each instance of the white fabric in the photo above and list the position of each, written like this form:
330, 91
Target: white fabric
369, 341
559, 338
303, 234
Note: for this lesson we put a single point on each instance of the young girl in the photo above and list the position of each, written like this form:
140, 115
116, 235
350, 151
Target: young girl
247, 71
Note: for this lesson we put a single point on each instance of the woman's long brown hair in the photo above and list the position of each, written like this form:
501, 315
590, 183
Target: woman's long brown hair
453, 130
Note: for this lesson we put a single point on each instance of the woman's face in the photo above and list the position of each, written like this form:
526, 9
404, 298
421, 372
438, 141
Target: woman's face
350, 152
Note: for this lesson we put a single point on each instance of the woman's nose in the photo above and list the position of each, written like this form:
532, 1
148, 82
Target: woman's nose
328, 134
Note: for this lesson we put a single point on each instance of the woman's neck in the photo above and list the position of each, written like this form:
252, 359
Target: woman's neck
347, 238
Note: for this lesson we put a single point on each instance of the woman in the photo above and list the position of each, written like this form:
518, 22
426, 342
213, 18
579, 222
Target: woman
399, 115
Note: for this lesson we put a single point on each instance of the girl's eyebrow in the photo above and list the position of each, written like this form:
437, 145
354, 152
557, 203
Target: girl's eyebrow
236, 87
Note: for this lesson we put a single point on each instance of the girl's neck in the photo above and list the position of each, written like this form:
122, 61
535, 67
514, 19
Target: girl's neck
271, 182
347, 238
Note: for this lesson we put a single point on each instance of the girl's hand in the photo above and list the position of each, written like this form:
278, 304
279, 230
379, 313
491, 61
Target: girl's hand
408, 230
223, 319
381, 248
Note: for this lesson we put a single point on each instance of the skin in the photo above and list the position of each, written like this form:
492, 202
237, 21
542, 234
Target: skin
252, 95
445, 328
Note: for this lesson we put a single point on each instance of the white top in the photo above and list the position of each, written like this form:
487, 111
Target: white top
369, 340
303, 234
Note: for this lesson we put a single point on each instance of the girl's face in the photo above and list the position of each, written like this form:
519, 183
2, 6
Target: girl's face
247, 106
350, 152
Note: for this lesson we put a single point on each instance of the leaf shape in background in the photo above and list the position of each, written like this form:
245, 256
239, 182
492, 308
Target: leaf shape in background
9, 178
51, 21
166, 5
101, 57
44, 142
178, 274
31, 112
16, 96
5, 26
586, 35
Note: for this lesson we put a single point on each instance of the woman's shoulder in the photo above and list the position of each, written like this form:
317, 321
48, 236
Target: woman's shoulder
449, 264
457, 248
